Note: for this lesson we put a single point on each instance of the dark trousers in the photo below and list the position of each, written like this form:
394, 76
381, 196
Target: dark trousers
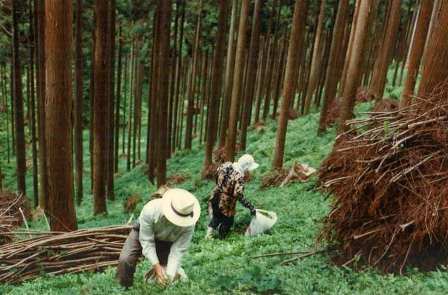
219, 222
132, 251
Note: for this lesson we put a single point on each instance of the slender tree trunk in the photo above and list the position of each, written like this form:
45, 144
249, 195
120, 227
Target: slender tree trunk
130, 113
163, 56
252, 71
118, 102
354, 64
416, 51
18, 103
172, 80
110, 163
213, 112
125, 94
58, 44
332, 77
273, 35
100, 105
349, 48
228, 77
435, 66
78, 104
261, 79
138, 90
7, 109
32, 123
289, 85
315, 67
39, 9
153, 114
191, 92
13, 129
237, 80
180, 5
91, 113
380, 73
280, 71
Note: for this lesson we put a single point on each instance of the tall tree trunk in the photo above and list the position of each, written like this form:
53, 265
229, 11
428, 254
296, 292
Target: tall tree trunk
39, 8
91, 113
280, 71
118, 102
435, 67
130, 113
18, 103
289, 85
153, 115
138, 90
315, 67
78, 103
110, 162
354, 64
237, 80
261, 79
58, 44
332, 77
416, 50
228, 76
380, 73
191, 87
100, 105
6, 95
32, 123
213, 112
254, 48
181, 6
163, 56
273, 52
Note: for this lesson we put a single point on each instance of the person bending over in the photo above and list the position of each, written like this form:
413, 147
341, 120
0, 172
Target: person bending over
162, 234
228, 190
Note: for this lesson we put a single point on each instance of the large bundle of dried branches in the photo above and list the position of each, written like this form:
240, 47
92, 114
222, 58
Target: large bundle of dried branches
13, 211
389, 177
57, 253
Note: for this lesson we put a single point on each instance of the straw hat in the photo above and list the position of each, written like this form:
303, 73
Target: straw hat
247, 163
181, 207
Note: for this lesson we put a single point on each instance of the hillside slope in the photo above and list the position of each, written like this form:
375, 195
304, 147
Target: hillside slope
226, 267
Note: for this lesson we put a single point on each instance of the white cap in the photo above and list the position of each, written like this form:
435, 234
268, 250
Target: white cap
247, 163
181, 207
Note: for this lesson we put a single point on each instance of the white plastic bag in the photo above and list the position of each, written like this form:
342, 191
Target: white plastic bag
261, 222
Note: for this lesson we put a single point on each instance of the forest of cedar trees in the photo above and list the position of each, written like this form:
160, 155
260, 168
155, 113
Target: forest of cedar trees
103, 102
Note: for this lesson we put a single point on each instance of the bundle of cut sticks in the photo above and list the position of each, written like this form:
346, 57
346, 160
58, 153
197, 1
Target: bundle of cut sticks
13, 212
55, 253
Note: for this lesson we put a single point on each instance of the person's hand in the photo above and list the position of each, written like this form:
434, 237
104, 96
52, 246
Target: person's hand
159, 275
253, 212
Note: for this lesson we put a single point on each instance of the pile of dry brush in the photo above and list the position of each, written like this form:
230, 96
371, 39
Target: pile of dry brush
55, 253
13, 211
389, 177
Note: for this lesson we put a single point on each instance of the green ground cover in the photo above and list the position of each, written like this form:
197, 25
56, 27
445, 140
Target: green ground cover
226, 267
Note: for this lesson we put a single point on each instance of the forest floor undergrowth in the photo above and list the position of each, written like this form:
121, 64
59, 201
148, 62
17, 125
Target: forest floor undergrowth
226, 267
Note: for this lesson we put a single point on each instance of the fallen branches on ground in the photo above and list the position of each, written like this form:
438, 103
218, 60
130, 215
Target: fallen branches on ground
55, 253
281, 177
10, 215
388, 175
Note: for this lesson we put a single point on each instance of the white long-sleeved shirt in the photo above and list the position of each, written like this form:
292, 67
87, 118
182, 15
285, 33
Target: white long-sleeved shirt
154, 226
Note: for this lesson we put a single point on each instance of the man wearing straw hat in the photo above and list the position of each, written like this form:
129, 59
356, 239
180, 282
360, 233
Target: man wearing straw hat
229, 189
163, 234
